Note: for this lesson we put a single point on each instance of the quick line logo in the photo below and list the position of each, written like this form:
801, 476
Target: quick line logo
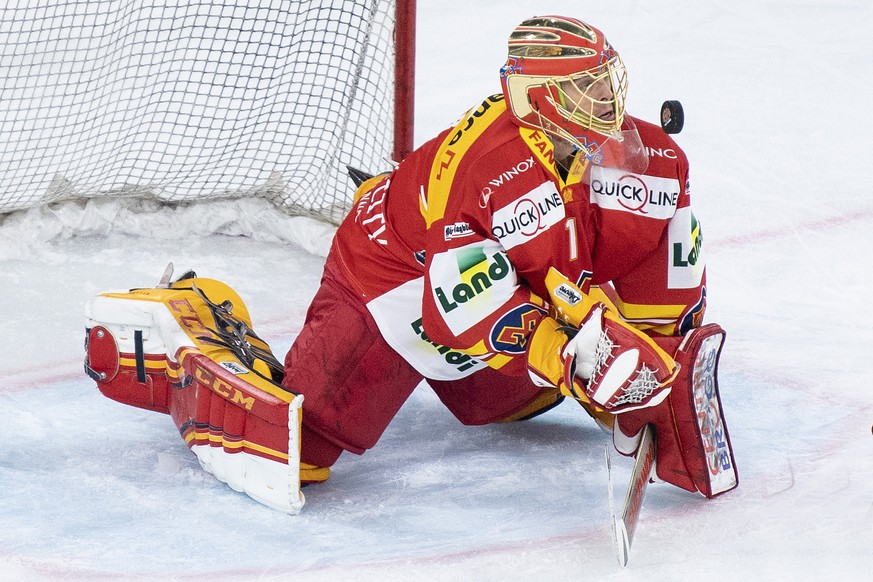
650, 196
528, 216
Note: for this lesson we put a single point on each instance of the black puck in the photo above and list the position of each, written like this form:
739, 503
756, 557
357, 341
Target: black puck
672, 117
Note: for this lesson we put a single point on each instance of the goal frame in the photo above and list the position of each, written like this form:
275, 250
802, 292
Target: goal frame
404, 78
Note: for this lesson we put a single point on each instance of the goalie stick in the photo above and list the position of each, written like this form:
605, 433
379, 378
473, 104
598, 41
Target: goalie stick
624, 526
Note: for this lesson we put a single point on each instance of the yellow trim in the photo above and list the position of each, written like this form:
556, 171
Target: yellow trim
572, 313
643, 311
548, 397
366, 186
598, 294
497, 361
149, 364
451, 151
201, 435
459, 140
313, 474
543, 149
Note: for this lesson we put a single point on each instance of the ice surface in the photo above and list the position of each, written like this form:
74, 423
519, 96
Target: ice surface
774, 96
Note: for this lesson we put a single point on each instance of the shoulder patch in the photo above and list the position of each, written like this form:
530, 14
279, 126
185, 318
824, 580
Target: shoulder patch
687, 261
512, 331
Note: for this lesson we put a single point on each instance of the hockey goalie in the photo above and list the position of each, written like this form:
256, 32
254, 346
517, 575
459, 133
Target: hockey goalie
542, 248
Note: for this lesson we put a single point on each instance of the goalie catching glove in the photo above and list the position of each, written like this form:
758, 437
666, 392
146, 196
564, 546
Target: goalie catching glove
187, 349
610, 366
595, 357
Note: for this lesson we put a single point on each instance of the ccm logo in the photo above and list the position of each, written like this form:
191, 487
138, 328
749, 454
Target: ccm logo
223, 389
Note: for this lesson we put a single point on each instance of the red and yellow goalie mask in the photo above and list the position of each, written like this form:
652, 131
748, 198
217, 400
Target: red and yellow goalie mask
563, 77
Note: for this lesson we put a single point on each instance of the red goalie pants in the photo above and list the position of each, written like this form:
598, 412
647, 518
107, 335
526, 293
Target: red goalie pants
354, 383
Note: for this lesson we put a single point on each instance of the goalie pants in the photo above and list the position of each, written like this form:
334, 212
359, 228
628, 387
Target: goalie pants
354, 383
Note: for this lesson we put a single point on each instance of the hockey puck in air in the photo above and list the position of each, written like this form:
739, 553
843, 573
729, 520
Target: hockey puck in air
672, 117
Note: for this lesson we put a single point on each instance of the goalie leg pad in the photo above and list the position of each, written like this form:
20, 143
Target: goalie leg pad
694, 448
245, 439
188, 350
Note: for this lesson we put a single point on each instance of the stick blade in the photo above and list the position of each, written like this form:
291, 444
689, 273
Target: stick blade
620, 539
625, 525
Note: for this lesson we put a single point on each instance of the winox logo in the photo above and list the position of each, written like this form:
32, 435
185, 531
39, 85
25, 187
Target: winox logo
511, 173
650, 196
527, 217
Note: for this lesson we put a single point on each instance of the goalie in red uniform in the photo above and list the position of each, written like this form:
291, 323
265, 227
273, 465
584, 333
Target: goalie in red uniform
543, 247
451, 268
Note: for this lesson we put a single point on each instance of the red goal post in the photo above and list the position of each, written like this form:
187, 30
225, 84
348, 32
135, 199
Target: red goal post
192, 100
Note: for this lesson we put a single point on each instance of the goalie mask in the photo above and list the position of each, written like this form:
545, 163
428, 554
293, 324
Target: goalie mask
564, 78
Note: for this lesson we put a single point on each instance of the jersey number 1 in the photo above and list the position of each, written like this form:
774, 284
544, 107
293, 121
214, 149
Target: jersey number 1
571, 232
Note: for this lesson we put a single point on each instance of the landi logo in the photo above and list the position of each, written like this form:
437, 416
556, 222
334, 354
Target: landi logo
687, 261
458, 359
685, 254
478, 274
650, 196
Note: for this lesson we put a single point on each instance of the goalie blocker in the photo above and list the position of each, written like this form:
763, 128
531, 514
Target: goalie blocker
694, 449
187, 349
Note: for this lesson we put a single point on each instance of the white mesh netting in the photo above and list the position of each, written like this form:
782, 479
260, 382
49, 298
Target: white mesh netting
190, 100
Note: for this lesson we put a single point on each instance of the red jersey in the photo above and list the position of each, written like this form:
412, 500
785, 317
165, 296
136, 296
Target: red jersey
451, 250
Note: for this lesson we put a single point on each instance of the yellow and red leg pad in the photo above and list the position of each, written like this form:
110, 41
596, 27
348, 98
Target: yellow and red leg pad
129, 376
694, 450
158, 349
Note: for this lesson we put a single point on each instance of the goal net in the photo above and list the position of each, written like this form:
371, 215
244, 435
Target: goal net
180, 101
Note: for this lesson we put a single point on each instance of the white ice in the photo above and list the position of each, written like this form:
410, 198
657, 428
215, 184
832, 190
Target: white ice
774, 95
